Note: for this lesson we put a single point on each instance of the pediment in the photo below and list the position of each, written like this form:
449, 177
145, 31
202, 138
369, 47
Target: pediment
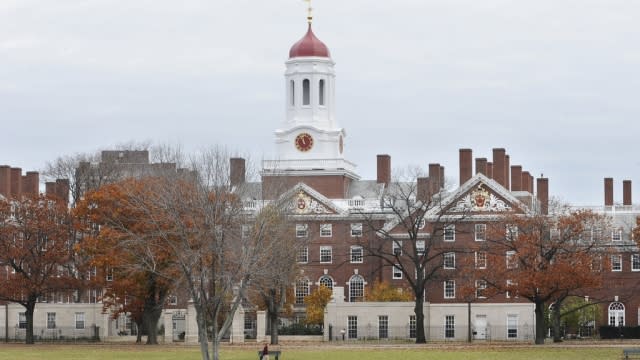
304, 200
482, 196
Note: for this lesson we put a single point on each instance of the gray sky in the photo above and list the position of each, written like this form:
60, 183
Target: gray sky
555, 82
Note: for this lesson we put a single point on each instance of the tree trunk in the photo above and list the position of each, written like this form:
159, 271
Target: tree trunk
150, 322
419, 310
555, 319
273, 324
202, 332
139, 336
29, 309
540, 323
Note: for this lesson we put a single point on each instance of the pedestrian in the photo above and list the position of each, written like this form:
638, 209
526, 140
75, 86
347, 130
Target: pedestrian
265, 352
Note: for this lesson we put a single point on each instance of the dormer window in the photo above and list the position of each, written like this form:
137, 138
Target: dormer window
306, 92
321, 92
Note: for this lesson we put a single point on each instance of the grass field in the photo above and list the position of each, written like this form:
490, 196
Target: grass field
312, 352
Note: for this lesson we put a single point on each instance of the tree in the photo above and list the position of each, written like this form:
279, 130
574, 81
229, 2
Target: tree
382, 291
35, 252
316, 302
545, 258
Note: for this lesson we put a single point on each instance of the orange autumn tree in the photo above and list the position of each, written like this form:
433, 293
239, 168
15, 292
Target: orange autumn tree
544, 258
35, 252
316, 302
136, 270
382, 291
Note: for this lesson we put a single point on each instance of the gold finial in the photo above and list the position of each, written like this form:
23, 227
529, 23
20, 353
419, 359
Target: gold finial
309, 11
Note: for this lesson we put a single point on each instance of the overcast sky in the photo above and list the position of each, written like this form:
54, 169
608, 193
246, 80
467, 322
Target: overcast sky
555, 82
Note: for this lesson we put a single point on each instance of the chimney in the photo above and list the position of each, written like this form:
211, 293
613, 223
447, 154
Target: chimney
526, 182
31, 183
434, 178
490, 170
237, 171
608, 191
516, 178
543, 195
442, 177
16, 182
507, 175
531, 183
626, 193
50, 188
62, 190
384, 169
481, 166
466, 165
498, 165
5, 181
422, 193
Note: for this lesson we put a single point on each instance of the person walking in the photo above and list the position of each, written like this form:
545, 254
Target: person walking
265, 352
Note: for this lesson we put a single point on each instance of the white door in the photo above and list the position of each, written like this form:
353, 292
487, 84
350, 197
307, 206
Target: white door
480, 327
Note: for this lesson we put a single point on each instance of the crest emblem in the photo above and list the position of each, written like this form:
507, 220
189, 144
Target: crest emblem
479, 197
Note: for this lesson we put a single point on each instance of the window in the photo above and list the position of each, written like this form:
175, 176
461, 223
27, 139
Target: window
481, 232
109, 274
22, 320
302, 290
422, 223
512, 232
292, 87
356, 288
397, 247
326, 230
512, 326
79, 320
356, 254
173, 300
616, 235
449, 261
635, 262
481, 259
321, 92
306, 92
616, 262
412, 326
449, 326
420, 247
450, 289
383, 327
616, 314
51, 320
481, 286
302, 230
596, 263
450, 232
303, 254
511, 260
356, 230
246, 231
397, 273
510, 285
326, 281
326, 254
352, 325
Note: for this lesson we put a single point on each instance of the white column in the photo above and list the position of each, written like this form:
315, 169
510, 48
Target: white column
261, 326
237, 327
191, 331
167, 319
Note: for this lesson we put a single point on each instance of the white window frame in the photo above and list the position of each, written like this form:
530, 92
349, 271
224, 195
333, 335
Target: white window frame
396, 272
326, 250
480, 229
396, 247
512, 326
480, 286
449, 260
303, 289
510, 260
511, 232
302, 230
51, 320
507, 293
616, 263
422, 223
481, 261
173, 300
303, 255
449, 326
22, 320
449, 289
616, 235
420, 247
326, 230
356, 230
635, 262
354, 257
79, 320
449, 232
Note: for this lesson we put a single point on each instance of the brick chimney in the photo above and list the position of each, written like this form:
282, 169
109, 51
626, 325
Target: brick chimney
434, 178
50, 188
16, 182
237, 171
490, 170
31, 183
422, 192
626, 193
442, 177
516, 178
543, 195
5, 181
466, 165
507, 175
608, 191
384, 169
62, 190
481, 166
498, 166
526, 182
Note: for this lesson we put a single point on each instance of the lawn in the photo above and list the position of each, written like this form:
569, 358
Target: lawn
319, 352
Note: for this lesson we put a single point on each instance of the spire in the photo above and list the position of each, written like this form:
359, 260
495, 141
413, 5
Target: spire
309, 12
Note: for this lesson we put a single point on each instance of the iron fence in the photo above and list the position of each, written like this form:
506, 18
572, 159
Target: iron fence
57, 334
434, 333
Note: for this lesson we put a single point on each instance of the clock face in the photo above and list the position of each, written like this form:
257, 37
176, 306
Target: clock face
304, 142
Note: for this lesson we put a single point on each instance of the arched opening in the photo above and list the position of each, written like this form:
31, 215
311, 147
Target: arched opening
616, 314
321, 92
356, 288
292, 92
326, 281
306, 92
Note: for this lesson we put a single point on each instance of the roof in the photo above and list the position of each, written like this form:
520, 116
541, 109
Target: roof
309, 45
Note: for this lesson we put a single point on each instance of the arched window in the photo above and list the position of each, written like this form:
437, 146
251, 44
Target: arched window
321, 92
616, 314
302, 290
356, 288
326, 281
292, 87
306, 92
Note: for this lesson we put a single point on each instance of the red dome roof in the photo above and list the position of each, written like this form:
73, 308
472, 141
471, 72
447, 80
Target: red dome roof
309, 45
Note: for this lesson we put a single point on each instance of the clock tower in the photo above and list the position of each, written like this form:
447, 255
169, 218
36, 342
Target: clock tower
310, 144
